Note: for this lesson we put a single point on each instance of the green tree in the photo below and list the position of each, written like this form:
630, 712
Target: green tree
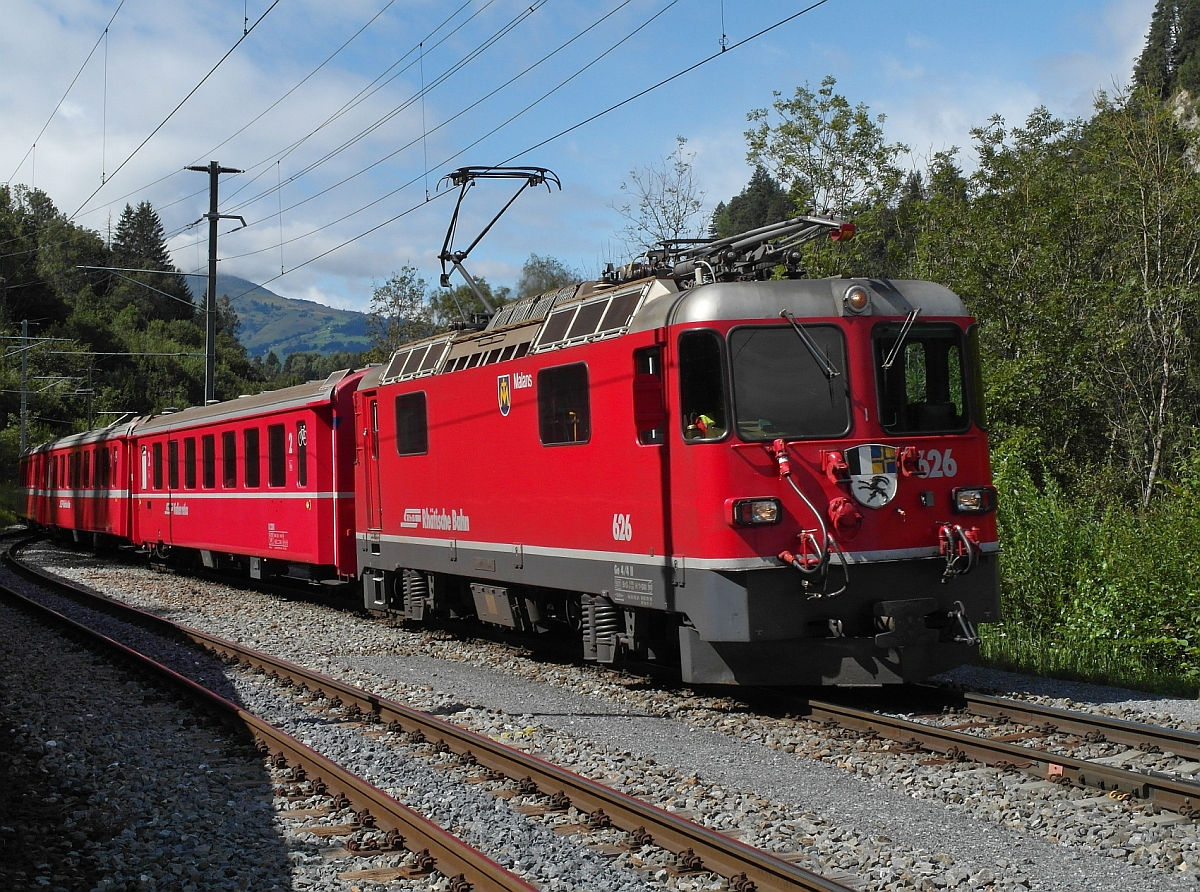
762, 202
542, 274
831, 155
139, 243
663, 201
400, 312
460, 304
1144, 203
1170, 60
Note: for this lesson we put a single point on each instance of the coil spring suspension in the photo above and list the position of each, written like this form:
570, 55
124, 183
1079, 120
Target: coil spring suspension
603, 622
415, 590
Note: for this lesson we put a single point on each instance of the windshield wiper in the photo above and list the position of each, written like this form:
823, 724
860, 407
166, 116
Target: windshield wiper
908, 323
822, 360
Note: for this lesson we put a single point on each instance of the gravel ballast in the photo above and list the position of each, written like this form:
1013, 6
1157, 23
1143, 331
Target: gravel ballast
829, 800
141, 793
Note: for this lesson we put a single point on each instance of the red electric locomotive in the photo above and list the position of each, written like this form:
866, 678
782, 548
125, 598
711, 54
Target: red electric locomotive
780, 482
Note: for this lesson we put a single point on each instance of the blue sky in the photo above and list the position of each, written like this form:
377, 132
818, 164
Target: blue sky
934, 68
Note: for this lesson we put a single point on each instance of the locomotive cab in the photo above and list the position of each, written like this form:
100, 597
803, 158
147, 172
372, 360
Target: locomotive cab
835, 502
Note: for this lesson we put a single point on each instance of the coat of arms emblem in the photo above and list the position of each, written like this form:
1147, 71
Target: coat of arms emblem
504, 393
872, 470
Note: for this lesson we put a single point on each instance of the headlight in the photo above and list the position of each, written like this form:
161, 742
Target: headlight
973, 499
857, 299
757, 512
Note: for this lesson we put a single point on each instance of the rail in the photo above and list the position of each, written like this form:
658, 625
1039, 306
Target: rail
1163, 789
465, 866
698, 848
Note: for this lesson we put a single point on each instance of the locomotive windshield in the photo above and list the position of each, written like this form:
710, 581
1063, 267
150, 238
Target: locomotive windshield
781, 390
924, 390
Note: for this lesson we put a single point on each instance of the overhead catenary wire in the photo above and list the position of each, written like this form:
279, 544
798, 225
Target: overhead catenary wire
465, 110
347, 106
585, 121
666, 80
170, 115
491, 41
71, 86
363, 94
250, 123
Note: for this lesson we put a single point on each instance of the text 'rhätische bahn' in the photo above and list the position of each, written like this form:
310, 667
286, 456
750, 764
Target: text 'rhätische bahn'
767, 480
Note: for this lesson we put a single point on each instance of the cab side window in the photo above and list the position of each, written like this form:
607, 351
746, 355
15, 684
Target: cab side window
702, 386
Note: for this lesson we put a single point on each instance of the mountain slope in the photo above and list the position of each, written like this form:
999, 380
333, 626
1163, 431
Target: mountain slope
270, 321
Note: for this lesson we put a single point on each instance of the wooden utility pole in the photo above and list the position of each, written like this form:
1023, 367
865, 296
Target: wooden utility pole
24, 384
214, 170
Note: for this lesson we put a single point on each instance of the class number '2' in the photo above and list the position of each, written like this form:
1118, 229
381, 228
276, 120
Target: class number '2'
933, 463
622, 529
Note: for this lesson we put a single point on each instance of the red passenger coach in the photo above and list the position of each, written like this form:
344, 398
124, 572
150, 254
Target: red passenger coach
80, 484
262, 482
781, 482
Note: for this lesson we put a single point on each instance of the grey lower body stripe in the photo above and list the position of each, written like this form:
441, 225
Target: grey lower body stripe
752, 563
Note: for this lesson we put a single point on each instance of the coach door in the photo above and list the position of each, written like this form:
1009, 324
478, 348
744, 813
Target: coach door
370, 448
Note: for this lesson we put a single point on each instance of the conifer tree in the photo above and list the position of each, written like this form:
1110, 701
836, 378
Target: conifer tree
763, 201
140, 243
1170, 61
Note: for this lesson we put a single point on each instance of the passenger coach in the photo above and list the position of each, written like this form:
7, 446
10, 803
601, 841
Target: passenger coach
80, 484
262, 482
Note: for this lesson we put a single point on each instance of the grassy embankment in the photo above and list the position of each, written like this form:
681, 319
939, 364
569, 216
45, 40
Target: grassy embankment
1095, 591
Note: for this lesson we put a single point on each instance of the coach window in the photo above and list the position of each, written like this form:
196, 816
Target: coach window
702, 386
564, 414
301, 453
276, 469
173, 464
250, 448
208, 461
87, 470
412, 427
158, 465
229, 475
189, 463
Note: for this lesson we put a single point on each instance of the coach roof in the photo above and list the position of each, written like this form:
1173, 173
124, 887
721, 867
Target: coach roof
314, 393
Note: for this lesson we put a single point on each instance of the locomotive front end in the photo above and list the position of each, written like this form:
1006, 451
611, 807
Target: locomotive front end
833, 494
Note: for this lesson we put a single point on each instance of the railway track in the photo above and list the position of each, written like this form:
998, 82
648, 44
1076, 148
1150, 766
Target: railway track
996, 743
696, 848
464, 866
